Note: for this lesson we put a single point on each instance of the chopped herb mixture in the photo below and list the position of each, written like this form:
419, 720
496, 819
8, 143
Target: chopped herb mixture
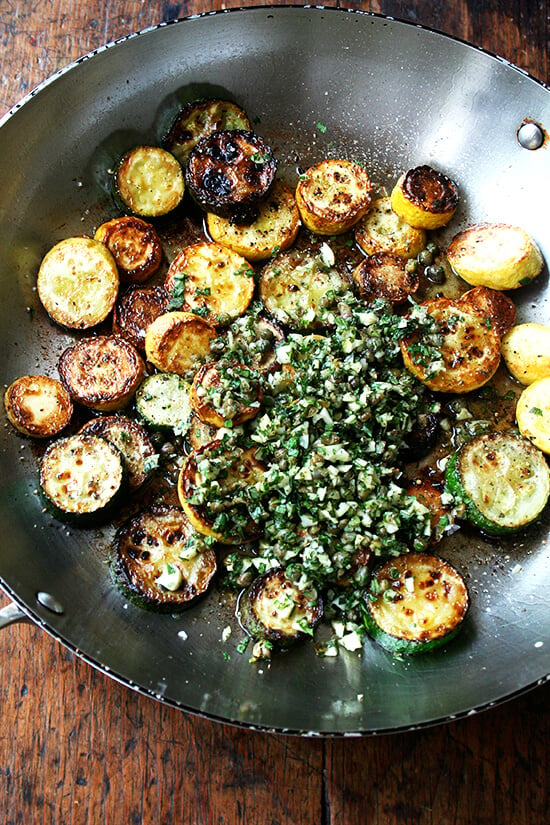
329, 433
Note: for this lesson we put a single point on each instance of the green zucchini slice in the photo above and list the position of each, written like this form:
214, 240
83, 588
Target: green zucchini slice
162, 402
159, 562
501, 479
415, 603
198, 119
132, 440
82, 478
275, 610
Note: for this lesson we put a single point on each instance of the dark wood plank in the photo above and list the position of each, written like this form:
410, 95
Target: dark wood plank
77, 748
488, 769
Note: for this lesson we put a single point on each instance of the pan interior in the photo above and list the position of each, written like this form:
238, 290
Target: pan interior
379, 91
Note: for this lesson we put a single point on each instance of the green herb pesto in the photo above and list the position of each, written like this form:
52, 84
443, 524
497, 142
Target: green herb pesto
330, 430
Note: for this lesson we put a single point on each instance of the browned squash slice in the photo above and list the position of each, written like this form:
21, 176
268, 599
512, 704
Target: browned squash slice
38, 405
179, 342
226, 392
385, 276
470, 350
332, 196
425, 198
135, 246
159, 562
101, 373
210, 485
229, 172
135, 310
211, 281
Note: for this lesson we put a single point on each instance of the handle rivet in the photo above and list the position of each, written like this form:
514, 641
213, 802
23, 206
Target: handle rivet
530, 135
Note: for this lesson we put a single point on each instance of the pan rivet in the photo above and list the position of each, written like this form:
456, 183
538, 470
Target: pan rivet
49, 602
530, 135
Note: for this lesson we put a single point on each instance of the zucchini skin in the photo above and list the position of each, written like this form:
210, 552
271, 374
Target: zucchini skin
271, 585
143, 545
491, 444
162, 401
409, 634
60, 459
131, 438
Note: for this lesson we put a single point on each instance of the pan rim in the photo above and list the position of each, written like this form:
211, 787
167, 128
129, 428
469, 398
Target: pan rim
32, 613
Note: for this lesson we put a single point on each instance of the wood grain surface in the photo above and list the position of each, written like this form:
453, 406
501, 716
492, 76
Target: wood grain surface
76, 748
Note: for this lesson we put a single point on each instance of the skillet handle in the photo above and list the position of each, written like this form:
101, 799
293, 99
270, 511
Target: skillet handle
11, 614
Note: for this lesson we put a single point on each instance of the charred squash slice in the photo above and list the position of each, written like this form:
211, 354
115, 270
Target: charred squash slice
382, 230
415, 603
502, 480
425, 198
159, 562
229, 172
198, 119
179, 342
275, 610
385, 276
135, 310
274, 229
135, 246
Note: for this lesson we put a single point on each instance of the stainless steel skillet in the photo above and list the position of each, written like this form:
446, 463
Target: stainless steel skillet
382, 91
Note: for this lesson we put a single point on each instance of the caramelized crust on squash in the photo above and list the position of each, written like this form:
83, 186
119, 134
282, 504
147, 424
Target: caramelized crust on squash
495, 304
385, 276
101, 373
179, 342
425, 198
38, 406
470, 351
273, 230
333, 195
135, 246
135, 310
211, 281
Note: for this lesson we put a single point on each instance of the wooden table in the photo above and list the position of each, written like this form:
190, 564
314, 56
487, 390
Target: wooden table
76, 747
